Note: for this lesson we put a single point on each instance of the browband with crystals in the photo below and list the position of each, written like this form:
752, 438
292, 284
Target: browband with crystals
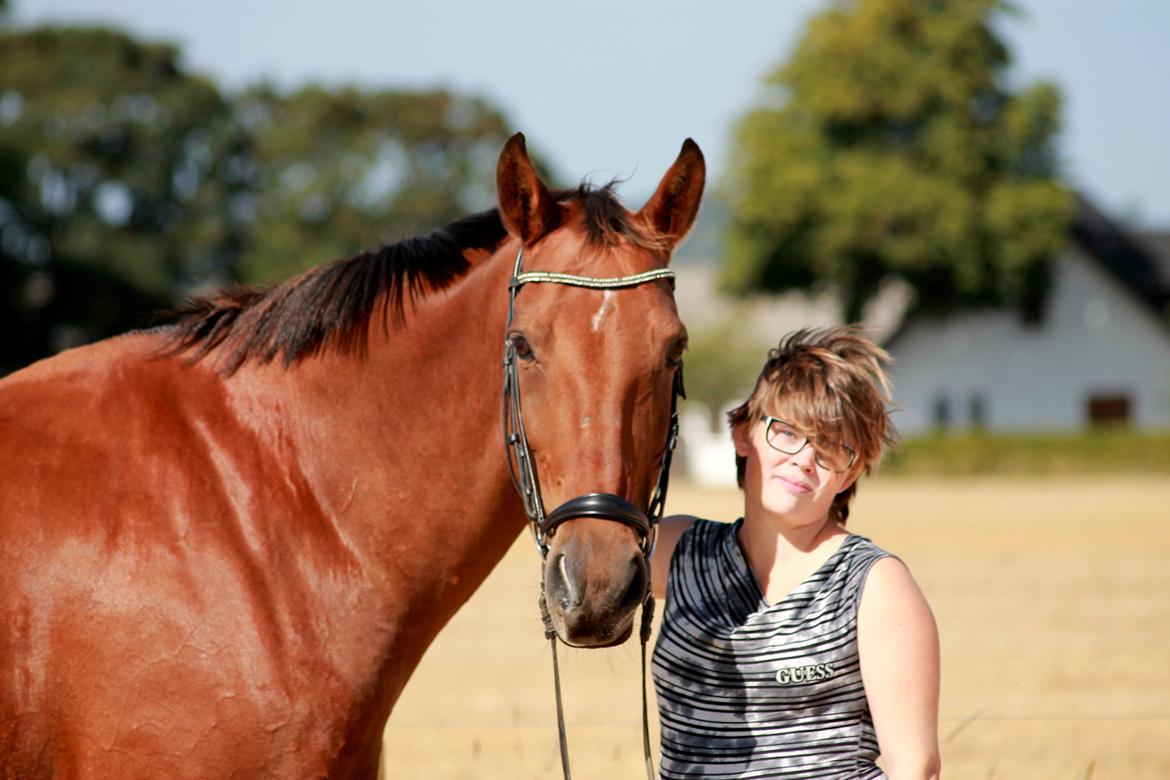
593, 281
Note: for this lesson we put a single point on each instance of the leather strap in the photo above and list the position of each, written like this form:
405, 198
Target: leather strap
604, 505
562, 734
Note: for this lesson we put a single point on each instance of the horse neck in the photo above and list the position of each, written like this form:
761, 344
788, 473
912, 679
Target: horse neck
405, 455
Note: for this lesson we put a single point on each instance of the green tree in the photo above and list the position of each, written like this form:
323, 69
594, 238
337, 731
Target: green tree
120, 172
890, 146
346, 169
127, 182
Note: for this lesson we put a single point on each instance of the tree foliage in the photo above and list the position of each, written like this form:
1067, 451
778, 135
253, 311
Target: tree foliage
117, 185
890, 146
345, 169
127, 182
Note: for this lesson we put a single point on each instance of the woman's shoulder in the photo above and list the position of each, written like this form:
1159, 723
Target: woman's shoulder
686, 532
863, 549
861, 560
881, 575
892, 597
887, 573
672, 529
701, 530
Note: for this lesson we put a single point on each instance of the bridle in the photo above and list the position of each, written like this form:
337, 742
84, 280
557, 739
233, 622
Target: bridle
520, 465
604, 506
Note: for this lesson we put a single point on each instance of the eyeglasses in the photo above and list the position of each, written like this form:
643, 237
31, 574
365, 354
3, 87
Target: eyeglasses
784, 437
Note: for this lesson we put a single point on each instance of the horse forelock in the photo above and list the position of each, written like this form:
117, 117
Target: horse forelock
607, 222
330, 306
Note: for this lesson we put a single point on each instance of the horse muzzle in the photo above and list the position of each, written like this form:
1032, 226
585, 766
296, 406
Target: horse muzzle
596, 575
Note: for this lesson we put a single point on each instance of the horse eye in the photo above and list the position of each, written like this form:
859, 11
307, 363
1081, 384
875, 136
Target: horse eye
521, 346
675, 354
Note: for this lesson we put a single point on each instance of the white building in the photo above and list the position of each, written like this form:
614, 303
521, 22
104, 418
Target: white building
1101, 351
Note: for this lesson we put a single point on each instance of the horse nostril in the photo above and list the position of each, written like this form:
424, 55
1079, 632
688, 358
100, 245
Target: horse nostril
636, 591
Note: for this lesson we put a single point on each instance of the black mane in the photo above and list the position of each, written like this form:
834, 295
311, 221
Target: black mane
331, 305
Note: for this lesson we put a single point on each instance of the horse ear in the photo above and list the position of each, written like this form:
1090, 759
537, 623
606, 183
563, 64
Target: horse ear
671, 210
526, 206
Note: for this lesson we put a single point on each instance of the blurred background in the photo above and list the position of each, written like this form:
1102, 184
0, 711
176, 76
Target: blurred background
984, 185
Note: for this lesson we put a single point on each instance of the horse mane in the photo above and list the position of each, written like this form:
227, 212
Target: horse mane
331, 305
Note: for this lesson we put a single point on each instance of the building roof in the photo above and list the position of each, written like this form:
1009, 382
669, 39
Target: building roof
1141, 263
1157, 245
1133, 262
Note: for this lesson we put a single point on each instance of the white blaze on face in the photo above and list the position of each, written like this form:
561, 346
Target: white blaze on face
604, 309
570, 591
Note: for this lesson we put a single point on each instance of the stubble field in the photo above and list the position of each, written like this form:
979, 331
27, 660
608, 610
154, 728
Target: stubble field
1053, 604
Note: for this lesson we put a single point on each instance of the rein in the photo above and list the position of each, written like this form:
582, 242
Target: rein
606, 506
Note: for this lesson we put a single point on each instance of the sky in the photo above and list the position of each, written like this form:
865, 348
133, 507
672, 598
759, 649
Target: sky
611, 88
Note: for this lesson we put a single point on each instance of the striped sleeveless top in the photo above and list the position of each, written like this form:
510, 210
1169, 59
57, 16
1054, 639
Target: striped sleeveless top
752, 690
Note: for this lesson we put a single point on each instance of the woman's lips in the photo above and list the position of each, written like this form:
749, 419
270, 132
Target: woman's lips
795, 487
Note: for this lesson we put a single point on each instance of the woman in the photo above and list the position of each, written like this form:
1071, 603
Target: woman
789, 647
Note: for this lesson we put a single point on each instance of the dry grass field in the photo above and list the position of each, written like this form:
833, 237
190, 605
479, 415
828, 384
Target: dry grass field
1053, 602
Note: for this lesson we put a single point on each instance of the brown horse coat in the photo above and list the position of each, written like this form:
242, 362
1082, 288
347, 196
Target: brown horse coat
225, 545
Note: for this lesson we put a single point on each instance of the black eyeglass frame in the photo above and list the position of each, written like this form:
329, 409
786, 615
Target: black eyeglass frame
769, 420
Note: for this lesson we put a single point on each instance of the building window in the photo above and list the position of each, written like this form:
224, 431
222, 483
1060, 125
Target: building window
941, 412
1109, 409
977, 408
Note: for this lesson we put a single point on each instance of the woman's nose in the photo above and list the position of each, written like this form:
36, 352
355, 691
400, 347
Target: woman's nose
806, 458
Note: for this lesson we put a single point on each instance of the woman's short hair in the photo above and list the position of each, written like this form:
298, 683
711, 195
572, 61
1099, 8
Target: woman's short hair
831, 384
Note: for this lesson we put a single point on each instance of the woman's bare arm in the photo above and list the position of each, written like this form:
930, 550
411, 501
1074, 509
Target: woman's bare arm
898, 644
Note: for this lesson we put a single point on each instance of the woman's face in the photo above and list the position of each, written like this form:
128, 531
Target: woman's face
793, 487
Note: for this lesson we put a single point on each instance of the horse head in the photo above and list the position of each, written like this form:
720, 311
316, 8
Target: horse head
596, 355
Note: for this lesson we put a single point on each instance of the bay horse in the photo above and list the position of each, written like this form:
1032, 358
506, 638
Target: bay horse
225, 543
